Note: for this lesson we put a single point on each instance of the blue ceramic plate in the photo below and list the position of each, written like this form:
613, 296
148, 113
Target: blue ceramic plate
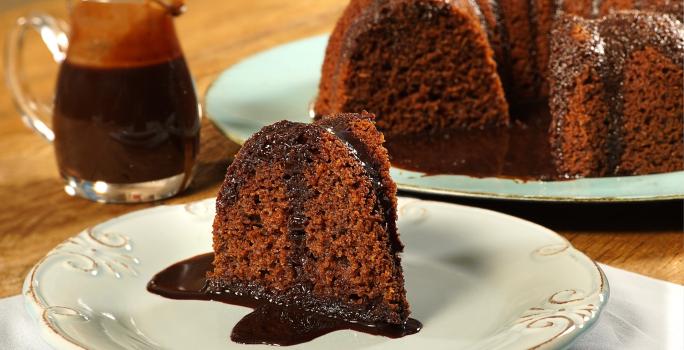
282, 82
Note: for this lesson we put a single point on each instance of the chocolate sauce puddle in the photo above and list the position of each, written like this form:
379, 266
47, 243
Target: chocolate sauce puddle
269, 323
521, 150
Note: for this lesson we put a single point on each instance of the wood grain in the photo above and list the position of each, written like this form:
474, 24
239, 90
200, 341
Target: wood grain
35, 213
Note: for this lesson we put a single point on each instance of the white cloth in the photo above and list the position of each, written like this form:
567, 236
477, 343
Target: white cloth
17, 329
642, 313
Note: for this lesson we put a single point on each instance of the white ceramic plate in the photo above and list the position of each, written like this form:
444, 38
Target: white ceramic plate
477, 279
282, 82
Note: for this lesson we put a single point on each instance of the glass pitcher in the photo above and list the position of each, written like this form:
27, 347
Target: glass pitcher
125, 118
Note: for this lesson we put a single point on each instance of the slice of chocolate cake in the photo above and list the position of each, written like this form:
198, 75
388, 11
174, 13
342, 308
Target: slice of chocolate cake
306, 216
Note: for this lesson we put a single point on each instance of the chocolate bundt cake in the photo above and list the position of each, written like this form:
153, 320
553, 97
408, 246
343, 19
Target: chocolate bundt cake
307, 216
429, 65
616, 87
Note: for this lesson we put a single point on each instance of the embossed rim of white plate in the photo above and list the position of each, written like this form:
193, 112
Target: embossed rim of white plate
280, 83
550, 322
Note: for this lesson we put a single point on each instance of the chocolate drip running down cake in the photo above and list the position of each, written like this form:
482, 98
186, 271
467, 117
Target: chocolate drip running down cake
620, 110
424, 66
306, 216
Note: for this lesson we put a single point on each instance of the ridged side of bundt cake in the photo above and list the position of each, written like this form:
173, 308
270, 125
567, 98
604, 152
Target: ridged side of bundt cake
307, 216
419, 65
519, 17
616, 94
549, 10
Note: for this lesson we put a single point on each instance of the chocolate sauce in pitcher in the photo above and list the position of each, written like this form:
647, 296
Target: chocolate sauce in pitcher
125, 107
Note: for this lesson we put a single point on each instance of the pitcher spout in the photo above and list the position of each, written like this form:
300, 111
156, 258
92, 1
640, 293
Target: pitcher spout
174, 7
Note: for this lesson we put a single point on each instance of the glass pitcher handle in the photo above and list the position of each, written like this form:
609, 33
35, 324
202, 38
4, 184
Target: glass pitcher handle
54, 34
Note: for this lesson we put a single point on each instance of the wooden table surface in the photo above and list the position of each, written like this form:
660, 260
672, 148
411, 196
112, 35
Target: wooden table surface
36, 214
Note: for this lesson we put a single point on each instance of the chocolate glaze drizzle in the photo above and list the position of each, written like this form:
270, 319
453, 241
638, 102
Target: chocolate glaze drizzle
298, 193
607, 49
268, 323
357, 148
